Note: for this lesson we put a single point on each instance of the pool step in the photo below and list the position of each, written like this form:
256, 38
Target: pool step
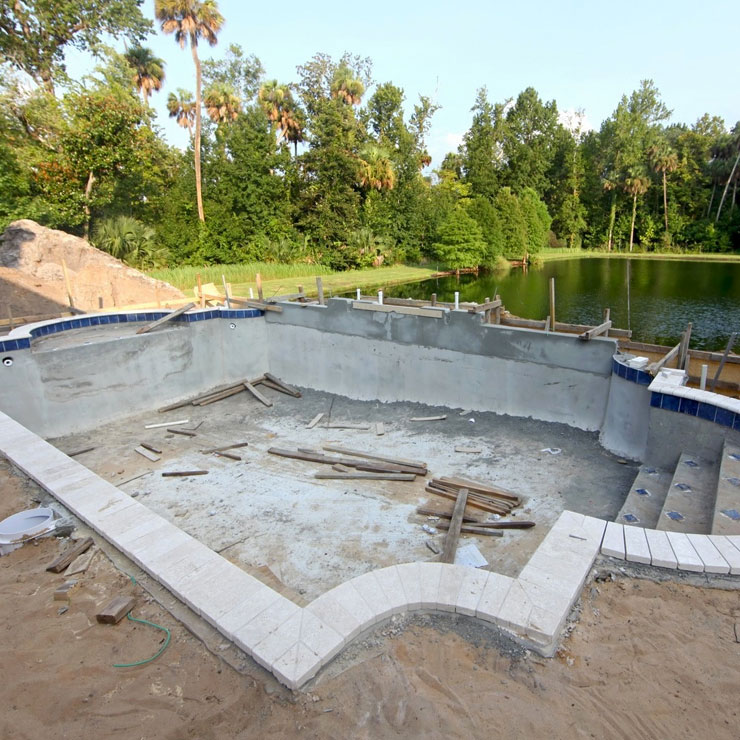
727, 508
689, 504
645, 499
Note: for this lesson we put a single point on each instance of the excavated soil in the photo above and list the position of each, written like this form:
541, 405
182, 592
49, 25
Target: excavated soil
645, 660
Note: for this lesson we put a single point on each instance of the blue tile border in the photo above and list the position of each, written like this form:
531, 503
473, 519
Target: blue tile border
11, 345
632, 374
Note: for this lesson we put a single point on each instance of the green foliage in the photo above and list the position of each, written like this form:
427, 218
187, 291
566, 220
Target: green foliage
460, 241
537, 220
130, 241
513, 225
34, 34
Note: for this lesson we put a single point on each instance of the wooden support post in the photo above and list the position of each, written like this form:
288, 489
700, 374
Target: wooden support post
301, 294
320, 290
67, 284
226, 291
684, 352
453, 534
10, 318
258, 280
201, 297
728, 349
607, 317
703, 381
434, 299
497, 311
100, 301
552, 303
487, 312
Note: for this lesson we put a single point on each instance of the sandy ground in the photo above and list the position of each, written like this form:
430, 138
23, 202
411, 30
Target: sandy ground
645, 660
268, 514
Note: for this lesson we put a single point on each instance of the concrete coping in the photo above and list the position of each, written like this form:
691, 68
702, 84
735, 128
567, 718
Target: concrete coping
294, 642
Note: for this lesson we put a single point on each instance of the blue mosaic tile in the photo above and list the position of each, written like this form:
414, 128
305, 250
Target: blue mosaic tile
736, 424
733, 514
674, 515
655, 399
685, 487
650, 471
115, 319
631, 518
642, 492
733, 481
669, 403
86, 321
688, 406
707, 411
644, 378
24, 343
631, 374
734, 456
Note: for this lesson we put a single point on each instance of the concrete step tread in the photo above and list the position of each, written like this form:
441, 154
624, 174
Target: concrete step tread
645, 499
689, 504
726, 518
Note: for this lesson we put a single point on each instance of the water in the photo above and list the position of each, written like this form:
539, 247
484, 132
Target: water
664, 296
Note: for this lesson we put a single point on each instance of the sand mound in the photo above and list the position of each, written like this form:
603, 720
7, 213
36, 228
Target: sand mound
32, 278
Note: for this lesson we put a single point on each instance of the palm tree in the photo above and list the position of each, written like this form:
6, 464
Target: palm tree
376, 169
346, 87
730, 148
271, 96
283, 113
636, 184
222, 103
190, 21
148, 70
292, 124
182, 108
663, 160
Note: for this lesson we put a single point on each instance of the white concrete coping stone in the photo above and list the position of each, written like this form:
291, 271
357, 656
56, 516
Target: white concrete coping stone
636, 545
709, 554
613, 544
696, 394
661, 552
685, 552
293, 642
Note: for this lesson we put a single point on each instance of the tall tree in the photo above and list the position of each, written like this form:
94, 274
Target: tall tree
663, 160
181, 107
222, 103
191, 21
34, 34
148, 70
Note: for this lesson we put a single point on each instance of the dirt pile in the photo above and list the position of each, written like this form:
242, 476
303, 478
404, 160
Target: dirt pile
32, 278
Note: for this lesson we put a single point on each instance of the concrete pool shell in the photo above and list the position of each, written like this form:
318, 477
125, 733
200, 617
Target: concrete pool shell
59, 386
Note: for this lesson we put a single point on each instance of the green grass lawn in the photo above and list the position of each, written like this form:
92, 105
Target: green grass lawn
281, 279
551, 255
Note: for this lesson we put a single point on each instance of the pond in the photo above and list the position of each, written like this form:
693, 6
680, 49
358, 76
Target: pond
663, 295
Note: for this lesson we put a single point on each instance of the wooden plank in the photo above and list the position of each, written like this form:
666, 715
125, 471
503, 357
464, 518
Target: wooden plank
80, 452
183, 432
151, 448
348, 425
478, 487
371, 456
453, 534
683, 355
552, 304
289, 389
487, 306
654, 367
427, 312
226, 291
67, 284
63, 561
722, 362
62, 593
147, 454
359, 464
165, 319
227, 447
591, 333
507, 525
379, 429
697, 354
116, 609
167, 424
320, 290
367, 476
490, 507
468, 529
469, 450
468, 517
221, 396
316, 419
257, 394
258, 280
183, 473
229, 455
428, 418
81, 563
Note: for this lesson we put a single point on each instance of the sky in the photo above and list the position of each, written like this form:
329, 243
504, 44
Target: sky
584, 55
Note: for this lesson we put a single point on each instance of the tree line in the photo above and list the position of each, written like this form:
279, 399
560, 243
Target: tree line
320, 169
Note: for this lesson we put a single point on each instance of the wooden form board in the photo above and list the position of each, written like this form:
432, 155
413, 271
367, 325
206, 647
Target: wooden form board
431, 313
